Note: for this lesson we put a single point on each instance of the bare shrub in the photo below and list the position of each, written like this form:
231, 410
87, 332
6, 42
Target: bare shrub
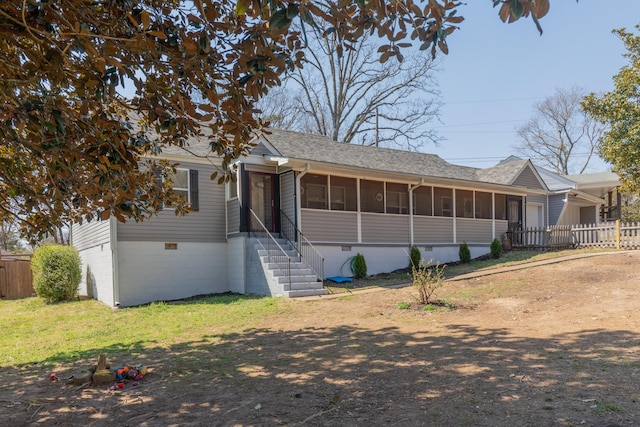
427, 279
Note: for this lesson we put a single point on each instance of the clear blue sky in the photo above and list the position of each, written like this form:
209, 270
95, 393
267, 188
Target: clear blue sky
495, 72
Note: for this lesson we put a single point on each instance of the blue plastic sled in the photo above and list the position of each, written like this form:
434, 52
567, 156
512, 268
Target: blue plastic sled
340, 279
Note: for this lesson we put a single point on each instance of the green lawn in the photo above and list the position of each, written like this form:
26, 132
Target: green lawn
34, 332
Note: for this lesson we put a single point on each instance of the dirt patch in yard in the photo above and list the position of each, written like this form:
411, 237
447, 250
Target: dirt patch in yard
556, 344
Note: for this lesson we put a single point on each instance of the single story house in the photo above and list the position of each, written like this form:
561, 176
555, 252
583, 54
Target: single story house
300, 208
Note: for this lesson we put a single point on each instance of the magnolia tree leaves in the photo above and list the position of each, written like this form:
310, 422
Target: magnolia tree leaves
619, 110
89, 89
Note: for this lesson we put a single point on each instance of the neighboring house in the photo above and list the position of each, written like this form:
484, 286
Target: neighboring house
604, 187
333, 198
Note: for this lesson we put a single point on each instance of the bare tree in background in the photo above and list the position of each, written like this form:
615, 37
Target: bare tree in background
279, 108
9, 230
560, 135
355, 98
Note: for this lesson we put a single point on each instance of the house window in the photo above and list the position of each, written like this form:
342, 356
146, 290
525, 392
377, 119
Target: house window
185, 184
344, 193
422, 201
464, 204
397, 198
483, 205
181, 183
372, 196
314, 191
443, 201
501, 206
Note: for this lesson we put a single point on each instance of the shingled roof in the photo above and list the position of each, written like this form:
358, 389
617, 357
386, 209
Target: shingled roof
318, 148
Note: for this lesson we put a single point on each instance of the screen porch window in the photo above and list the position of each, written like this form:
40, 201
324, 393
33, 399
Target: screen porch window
483, 205
397, 198
443, 201
501, 206
422, 201
372, 196
343, 193
464, 204
314, 191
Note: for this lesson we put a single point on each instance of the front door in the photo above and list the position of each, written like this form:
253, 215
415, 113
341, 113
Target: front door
261, 200
514, 212
514, 218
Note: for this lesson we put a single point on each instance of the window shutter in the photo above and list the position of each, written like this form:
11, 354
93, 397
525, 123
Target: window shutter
158, 174
193, 189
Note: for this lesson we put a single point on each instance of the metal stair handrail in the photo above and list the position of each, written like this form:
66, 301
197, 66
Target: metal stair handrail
305, 249
281, 258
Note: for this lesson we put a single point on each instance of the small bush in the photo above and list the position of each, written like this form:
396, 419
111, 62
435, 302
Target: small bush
464, 253
56, 272
496, 249
359, 267
414, 256
427, 280
403, 305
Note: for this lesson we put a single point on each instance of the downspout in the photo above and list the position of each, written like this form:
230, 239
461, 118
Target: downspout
298, 201
411, 188
546, 220
113, 242
358, 211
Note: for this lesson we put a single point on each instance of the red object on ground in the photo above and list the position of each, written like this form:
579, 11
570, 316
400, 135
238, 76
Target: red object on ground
53, 377
120, 385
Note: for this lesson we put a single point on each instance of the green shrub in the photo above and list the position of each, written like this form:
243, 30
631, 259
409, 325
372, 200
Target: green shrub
427, 280
359, 267
414, 256
496, 249
464, 253
56, 272
403, 305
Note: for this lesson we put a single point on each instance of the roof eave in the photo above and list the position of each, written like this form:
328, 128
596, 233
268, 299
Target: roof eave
366, 173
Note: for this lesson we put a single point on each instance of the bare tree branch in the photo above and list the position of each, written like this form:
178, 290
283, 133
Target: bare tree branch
560, 135
342, 96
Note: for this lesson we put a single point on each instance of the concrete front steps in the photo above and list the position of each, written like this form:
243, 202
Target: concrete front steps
303, 281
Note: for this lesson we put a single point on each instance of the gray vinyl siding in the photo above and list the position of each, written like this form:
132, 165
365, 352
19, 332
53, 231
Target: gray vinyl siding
380, 228
260, 149
90, 234
474, 230
432, 229
233, 216
330, 226
288, 194
556, 203
528, 179
540, 199
588, 215
205, 225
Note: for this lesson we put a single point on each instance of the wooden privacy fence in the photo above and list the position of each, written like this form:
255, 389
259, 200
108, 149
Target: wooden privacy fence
16, 280
605, 235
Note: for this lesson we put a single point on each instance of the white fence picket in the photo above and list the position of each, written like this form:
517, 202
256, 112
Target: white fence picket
603, 235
